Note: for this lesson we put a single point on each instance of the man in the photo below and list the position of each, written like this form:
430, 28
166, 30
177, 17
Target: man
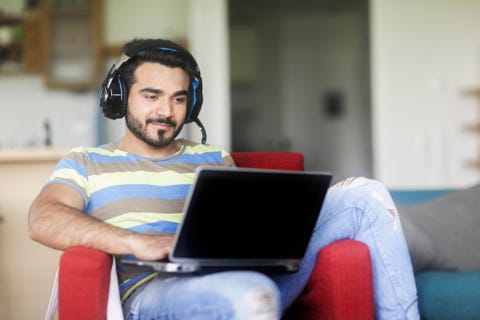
127, 197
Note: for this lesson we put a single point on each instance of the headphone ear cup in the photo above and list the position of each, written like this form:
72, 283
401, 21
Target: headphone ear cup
113, 100
195, 100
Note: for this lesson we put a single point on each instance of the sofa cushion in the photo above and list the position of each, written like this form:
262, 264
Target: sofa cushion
442, 234
444, 295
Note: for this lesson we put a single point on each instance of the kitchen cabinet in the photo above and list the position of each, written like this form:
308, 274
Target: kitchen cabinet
72, 37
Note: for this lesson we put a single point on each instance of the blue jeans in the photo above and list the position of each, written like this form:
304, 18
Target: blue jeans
359, 209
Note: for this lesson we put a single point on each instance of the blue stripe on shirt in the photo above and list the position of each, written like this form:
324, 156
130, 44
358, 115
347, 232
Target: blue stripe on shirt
146, 191
159, 226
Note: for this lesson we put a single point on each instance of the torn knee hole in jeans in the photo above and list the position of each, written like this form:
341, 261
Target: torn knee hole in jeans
391, 210
351, 182
263, 302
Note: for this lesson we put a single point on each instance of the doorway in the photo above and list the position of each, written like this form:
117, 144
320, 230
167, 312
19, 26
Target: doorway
301, 82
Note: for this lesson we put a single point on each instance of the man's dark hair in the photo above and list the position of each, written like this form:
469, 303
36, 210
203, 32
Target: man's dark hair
167, 53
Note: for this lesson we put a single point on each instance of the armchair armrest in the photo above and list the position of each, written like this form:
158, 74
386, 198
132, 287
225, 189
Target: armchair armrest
83, 284
340, 286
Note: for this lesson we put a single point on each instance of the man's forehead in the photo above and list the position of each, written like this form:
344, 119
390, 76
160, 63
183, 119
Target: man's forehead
156, 76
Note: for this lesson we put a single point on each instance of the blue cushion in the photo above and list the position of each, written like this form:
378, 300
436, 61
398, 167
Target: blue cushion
417, 196
446, 295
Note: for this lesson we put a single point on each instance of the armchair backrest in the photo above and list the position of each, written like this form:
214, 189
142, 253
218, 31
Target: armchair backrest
270, 160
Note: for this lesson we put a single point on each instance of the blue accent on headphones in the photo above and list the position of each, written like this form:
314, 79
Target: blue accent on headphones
159, 48
120, 87
195, 84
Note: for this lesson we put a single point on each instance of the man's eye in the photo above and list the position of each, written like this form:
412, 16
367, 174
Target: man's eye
180, 99
151, 97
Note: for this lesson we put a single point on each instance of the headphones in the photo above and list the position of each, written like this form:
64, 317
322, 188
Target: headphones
114, 92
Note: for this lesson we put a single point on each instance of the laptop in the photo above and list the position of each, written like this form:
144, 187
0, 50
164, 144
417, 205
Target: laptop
247, 219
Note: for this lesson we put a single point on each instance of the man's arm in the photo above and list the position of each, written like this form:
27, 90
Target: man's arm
56, 220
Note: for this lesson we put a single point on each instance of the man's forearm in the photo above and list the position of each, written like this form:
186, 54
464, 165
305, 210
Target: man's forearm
56, 220
60, 227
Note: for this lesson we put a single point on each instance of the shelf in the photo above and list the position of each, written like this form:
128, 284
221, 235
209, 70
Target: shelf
69, 12
11, 47
474, 127
472, 92
9, 21
472, 164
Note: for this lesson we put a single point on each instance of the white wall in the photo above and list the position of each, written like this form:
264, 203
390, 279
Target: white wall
11, 6
26, 105
125, 20
208, 41
424, 54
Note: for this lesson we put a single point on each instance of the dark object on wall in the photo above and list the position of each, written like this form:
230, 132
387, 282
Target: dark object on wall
333, 104
48, 133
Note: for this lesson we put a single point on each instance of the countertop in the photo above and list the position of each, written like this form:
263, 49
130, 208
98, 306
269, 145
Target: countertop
31, 155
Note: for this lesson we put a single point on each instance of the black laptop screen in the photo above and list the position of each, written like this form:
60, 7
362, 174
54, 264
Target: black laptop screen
250, 214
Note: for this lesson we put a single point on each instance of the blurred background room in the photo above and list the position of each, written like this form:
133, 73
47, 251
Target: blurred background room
383, 89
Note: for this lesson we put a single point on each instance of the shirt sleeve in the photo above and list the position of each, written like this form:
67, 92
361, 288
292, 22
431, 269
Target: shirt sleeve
71, 170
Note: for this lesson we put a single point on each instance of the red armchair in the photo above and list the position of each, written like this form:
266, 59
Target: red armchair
340, 287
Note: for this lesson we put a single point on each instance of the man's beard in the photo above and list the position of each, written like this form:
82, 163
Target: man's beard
140, 131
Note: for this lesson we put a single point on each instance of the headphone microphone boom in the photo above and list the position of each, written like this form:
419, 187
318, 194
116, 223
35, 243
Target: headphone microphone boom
114, 92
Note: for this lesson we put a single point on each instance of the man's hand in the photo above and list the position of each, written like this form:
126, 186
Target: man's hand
152, 246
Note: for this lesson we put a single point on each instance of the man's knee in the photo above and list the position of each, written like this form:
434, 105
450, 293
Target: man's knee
353, 182
261, 301
365, 189
264, 304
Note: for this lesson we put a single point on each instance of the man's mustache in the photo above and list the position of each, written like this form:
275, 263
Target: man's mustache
166, 121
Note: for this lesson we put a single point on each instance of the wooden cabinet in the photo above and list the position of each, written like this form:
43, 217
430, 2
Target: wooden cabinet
72, 43
32, 53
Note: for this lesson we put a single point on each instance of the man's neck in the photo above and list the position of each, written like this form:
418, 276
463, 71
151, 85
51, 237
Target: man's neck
145, 150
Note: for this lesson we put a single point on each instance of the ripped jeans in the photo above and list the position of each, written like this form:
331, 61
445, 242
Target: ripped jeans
356, 208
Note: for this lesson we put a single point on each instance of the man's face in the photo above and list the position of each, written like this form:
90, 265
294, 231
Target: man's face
157, 103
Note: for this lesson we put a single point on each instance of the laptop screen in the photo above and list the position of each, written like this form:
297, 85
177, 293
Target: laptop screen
238, 213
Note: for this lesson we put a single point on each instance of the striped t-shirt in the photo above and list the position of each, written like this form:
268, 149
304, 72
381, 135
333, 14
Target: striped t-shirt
133, 192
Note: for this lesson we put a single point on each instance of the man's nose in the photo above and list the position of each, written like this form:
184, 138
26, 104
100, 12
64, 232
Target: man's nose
164, 108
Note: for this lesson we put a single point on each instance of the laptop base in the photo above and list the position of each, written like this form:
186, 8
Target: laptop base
193, 268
